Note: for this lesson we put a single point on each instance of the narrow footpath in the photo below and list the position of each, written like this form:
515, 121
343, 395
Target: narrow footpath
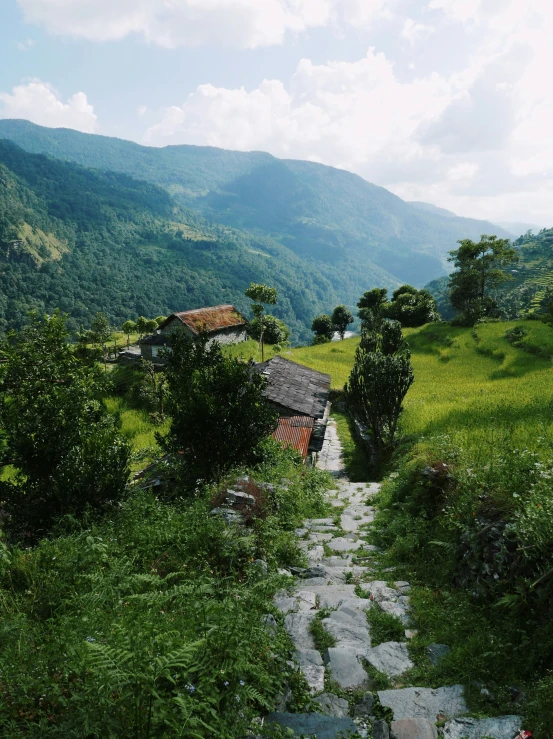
338, 585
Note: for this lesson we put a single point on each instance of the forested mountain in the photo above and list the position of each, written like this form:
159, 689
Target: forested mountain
530, 288
85, 241
355, 233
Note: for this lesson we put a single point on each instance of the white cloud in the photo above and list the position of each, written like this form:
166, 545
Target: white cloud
470, 140
414, 31
25, 45
353, 115
171, 23
40, 103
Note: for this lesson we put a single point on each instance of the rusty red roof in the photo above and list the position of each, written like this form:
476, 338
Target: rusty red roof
210, 319
295, 432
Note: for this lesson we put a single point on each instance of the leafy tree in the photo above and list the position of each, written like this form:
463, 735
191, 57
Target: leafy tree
387, 340
323, 328
479, 268
151, 325
275, 331
128, 328
261, 295
217, 409
66, 450
341, 319
159, 320
381, 376
100, 332
153, 390
411, 307
371, 303
142, 325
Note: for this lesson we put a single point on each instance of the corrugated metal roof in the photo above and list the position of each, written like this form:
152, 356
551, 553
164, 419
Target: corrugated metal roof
214, 318
295, 432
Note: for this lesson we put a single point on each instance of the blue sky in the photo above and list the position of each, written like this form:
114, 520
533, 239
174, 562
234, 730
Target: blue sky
447, 101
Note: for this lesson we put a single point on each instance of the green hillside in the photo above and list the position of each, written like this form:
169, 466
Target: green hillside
530, 287
85, 241
355, 233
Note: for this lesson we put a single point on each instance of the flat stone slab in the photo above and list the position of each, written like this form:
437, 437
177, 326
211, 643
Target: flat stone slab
309, 724
331, 705
307, 600
348, 635
381, 591
297, 626
285, 603
395, 609
501, 727
315, 555
332, 596
308, 657
391, 658
315, 677
345, 667
340, 544
316, 536
347, 614
425, 702
414, 728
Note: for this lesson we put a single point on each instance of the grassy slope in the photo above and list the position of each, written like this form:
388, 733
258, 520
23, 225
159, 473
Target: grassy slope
466, 380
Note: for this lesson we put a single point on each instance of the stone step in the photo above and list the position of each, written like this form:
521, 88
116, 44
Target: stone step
313, 724
345, 668
391, 658
500, 727
426, 703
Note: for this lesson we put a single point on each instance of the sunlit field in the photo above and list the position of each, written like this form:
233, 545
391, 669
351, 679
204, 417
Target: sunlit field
138, 430
466, 380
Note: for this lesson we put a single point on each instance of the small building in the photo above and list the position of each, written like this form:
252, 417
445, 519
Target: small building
222, 323
301, 397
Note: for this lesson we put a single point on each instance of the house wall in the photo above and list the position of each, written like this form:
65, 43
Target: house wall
230, 335
146, 350
174, 325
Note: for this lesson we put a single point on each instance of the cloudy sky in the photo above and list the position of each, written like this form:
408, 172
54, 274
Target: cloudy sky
447, 101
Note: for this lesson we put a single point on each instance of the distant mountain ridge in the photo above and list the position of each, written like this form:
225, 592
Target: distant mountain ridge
83, 241
356, 234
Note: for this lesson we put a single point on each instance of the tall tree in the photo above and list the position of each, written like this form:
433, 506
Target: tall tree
381, 376
217, 409
275, 331
261, 295
341, 319
479, 268
100, 332
323, 328
411, 307
66, 449
371, 303
128, 328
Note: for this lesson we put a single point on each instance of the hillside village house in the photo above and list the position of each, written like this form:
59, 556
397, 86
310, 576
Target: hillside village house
301, 397
222, 323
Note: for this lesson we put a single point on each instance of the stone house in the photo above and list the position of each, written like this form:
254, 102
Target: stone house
222, 323
301, 397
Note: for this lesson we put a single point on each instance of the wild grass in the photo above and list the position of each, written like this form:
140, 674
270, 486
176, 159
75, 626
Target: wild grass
138, 429
151, 620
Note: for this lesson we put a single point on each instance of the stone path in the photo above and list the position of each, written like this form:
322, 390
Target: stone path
339, 580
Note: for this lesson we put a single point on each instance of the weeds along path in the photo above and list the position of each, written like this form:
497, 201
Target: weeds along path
339, 610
